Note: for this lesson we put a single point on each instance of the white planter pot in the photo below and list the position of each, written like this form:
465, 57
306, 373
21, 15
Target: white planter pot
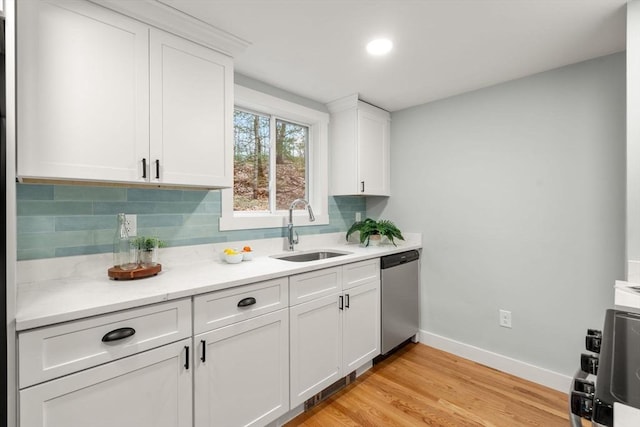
375, 239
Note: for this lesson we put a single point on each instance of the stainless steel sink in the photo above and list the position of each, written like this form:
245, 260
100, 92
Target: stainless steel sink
310, 255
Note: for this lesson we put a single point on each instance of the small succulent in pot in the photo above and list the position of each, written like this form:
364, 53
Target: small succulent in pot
370, 227
148, 250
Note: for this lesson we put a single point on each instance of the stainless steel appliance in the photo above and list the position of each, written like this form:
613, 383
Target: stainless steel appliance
399, 298
606, 388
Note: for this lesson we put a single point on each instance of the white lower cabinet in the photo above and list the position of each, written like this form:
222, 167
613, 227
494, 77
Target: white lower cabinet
333, 335
241, 372
149, 389
241, 356
361, 325
241, 375
127, 368
316, 347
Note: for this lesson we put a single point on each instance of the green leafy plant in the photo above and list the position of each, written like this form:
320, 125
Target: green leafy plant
370, 227
148, 243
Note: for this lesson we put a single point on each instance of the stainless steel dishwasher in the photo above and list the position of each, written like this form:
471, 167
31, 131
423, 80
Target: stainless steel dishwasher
399, 298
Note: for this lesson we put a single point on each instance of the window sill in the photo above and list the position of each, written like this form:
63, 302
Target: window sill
255, 221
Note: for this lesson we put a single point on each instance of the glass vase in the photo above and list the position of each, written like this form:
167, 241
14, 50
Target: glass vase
124, 249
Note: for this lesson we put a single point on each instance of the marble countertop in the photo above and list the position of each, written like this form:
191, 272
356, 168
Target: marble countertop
63, 289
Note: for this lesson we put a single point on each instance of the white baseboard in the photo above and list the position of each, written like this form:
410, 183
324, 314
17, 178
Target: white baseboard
497, 361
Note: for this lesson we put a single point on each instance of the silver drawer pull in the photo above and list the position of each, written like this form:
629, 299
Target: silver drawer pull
118, 334
245, 302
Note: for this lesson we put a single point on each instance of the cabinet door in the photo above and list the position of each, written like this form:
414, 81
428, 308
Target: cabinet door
83, 92
241, 372
191, 113
149, 389
373, 151
361, 325
316, 347
359, 148
343, 150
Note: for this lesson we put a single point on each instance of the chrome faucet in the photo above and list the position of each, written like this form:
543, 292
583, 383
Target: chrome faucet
293, 241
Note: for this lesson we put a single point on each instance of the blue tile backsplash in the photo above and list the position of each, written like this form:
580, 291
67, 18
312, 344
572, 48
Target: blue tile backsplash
58, 220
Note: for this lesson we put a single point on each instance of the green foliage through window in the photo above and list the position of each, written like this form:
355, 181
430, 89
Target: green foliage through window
270, 162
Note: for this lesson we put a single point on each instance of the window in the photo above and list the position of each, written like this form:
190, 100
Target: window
280, 154
270, 162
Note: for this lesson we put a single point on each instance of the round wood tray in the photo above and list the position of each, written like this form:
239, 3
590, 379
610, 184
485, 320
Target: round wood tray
117, 273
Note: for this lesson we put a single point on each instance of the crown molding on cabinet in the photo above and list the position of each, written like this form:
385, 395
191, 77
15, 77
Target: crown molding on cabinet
350, 102
345, 103
163, 16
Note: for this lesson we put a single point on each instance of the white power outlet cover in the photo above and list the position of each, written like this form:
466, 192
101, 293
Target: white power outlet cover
358, 216
505, 318
132, 224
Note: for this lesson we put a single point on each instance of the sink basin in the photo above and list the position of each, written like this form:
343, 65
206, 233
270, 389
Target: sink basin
310, 255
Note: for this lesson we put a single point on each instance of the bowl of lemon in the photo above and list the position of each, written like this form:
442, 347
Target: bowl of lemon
232, 256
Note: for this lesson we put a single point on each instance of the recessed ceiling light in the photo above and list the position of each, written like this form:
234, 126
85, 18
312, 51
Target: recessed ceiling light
379, 46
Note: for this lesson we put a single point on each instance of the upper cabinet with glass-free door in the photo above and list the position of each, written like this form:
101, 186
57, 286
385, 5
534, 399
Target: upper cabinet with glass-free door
191, 113
359, 141
82, 92
102, 97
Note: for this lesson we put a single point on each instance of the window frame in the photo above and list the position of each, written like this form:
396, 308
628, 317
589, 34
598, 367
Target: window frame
317, 187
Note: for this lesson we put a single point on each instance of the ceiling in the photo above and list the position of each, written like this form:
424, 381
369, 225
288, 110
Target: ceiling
316, 48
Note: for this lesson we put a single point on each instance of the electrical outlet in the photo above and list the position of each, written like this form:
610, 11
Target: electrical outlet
358, 216
131, 222
505, 318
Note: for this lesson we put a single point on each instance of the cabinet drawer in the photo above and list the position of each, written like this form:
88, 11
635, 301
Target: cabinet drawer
361, 272
217, 309
315, 284
57, 350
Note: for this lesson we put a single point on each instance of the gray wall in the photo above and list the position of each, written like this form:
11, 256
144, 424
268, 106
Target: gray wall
519, 191
633, 140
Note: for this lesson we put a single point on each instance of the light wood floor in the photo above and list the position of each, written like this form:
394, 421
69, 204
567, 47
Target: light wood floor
420, 385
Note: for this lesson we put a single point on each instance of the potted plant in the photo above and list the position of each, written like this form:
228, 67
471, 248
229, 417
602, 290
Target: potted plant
371, 231
148, 250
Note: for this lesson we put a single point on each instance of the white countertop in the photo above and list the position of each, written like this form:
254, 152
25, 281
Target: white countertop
61, 289
626, 294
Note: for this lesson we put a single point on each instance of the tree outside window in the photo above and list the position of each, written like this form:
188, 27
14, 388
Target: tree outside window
270, 162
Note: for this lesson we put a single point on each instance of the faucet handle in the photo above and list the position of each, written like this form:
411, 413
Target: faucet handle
295, 241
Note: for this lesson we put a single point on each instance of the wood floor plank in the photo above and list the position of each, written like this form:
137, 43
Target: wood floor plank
422, 386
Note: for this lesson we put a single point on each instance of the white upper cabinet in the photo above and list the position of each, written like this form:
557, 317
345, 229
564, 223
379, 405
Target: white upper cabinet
102, 97
359, 140
191, 113
83, 92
